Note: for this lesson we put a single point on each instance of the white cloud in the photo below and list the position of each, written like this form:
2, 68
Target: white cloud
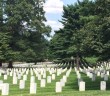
53, 6
54, 24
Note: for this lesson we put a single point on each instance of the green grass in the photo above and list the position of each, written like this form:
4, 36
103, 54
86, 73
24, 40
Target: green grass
70, 89
92, 60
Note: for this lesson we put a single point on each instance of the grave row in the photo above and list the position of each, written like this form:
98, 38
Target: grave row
21, 75
101, 71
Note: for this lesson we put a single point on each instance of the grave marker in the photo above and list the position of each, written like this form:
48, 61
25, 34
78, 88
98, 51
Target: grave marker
33, 88
103, 85
22, 84
5, 89
81, 86
58, 87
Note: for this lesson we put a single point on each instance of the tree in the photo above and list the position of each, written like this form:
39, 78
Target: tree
86, 31
25, 23
74, 18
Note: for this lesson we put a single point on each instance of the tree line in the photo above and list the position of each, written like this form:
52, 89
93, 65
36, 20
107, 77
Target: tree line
22, 31
85, 32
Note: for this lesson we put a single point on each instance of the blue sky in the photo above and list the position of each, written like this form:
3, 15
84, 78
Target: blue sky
54, 9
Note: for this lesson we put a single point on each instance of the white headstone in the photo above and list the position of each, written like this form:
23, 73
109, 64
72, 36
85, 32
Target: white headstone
44, 75
103, 85
33, 88
62, 82
53, 76
105, 77
39, 77
19, 76
24, 77
98, 73
27, 72
48, 79
43, 83
102, 75
32, 79
22, 84
11, 74
65, 78
67, 73
5, 77
93, 77
82, 86
15, 80
1, 84
5, 89
90, 75
78, 75
108, 73
58, 72
32, 73
58, 87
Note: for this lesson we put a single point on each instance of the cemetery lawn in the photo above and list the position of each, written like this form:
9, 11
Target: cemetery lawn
70, 89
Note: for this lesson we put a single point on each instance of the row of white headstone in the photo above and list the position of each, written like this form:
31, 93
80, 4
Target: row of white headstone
61, 83
101, 71
22, 75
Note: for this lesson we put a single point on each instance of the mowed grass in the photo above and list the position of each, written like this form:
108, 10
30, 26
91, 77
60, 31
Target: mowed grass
70, 89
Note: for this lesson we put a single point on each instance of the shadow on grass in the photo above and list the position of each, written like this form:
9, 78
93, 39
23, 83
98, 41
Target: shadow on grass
94, 85
72, 83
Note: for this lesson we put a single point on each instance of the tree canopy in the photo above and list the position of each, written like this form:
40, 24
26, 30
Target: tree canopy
85, 31
23, 21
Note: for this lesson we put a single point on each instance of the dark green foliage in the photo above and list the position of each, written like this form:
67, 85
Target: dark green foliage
86, 31
23, 20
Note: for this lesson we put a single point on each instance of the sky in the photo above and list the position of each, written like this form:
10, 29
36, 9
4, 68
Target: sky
53, 12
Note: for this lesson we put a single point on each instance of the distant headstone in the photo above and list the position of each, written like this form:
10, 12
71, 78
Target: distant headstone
24, 77
58, 87
43, 83
33, 88
15, 80
21, 84
62, 82
78, 75
53, 76
19, 76
93, 77
48, 79
32, 79
44, 75
27, 72
103, 85
65, 78
108, 73
5, 89
105, 77
5, 77
98, 73
1, 84
102, 75
11, 73
82, 86
39, 77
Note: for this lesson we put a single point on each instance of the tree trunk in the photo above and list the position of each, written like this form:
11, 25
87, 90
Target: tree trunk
10, 65
35, 62
0, 63
77, 61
